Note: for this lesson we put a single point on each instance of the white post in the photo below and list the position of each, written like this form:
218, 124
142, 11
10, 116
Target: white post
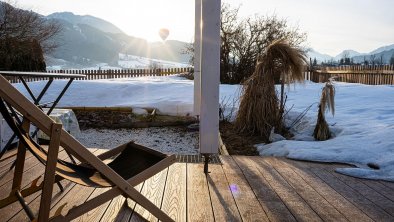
197, 57
210, 77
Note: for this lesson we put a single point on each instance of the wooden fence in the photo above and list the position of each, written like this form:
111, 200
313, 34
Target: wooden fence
370, 75
110, 74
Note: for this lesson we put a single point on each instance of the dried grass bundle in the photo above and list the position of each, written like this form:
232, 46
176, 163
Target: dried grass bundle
259, 109
322, 131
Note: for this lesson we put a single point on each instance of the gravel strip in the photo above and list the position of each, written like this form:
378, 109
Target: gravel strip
170, 140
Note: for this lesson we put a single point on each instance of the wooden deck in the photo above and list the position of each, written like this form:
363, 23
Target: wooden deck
240, 189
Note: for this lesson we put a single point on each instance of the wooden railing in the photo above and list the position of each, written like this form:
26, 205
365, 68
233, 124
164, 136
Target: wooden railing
111, 74
370, 75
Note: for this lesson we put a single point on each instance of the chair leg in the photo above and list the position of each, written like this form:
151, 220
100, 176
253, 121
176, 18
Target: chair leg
49, 176
20, 159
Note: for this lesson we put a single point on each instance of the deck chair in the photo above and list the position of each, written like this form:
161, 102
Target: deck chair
130, 164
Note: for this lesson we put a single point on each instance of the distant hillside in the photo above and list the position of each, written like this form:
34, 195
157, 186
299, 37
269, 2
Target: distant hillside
382, 54
348, 53
87, 40
95, 22
313, 54
382, 49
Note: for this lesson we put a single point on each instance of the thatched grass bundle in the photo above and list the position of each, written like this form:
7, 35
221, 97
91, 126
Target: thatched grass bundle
322, 131
260, 109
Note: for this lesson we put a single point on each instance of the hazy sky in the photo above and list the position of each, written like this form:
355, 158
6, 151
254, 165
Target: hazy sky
332, 25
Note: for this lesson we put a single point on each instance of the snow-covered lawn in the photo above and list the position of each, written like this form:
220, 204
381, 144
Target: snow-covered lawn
363, 124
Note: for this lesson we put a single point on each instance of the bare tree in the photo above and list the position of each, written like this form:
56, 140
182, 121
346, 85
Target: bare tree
372, 59
345, 60
243, 40
27, 25
230, 28
24, 37
392, 60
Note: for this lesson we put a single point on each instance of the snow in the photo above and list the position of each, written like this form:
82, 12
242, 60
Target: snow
363, 124
363, 127
138, 62
172, 95
124, 62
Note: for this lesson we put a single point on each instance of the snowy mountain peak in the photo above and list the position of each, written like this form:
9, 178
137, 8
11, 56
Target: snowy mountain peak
382, 49
349, 53
313, 54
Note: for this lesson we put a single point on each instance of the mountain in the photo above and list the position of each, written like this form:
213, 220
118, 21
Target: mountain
382, 49
86, 40
348, 54
382, 56
95, 22
312, 54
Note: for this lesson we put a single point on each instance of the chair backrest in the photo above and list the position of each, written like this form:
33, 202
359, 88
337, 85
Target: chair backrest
36, 116
78, 174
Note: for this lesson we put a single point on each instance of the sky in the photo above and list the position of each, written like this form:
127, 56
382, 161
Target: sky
332, 25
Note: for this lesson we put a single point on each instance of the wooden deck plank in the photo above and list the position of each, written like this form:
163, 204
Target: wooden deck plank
113, 209
375, 192
198, 201
32, 170
11, 210
15, 211
34, 203
372, 210
270, 201
96, 213
282, 190
247, 203
223, 203
30, 162
388, 184
351, 212
297, 206
76, 196
126, 209
174, 199
377, 185
380, 188
9, 153
8, 159
375, 197
318, 203
153, 190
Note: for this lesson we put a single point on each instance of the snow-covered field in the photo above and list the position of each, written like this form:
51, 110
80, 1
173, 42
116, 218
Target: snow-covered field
363, 124
138, 62
124, 62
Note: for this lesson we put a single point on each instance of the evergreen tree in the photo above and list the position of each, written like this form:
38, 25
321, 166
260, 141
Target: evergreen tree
314, 62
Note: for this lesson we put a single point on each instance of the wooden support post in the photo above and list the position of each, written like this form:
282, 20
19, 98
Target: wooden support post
197, 58
49, 176
210, 77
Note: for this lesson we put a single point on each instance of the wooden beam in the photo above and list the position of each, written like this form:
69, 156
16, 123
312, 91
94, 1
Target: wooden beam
210, 76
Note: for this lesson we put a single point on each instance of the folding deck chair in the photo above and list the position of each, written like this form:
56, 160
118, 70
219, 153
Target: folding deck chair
131, 163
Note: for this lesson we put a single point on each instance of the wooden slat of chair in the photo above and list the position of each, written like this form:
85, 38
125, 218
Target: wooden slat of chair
49, 176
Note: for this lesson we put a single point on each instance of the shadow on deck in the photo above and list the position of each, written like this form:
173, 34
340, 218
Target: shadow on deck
240, 189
